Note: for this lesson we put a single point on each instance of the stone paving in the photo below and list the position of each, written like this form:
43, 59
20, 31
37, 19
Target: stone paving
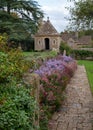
77, 111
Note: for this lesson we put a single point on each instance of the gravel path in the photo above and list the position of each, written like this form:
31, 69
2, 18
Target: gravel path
77, 111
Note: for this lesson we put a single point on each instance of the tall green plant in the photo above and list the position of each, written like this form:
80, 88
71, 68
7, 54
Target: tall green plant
64, 46
12, 64
17, 105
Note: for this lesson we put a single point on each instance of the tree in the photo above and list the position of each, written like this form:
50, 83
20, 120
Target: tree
19, 18
82, 14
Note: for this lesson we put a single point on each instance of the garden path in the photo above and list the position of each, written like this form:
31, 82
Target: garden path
77, 111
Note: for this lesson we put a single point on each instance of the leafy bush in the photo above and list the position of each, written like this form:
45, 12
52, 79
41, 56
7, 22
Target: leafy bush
82, 54
64, 46
12, 64
3, 43
17, 108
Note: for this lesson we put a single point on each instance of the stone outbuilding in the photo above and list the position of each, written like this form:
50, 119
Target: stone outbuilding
74, 41
47, 37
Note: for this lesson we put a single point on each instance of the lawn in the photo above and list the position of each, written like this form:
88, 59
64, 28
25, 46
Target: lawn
35, 55
89, 68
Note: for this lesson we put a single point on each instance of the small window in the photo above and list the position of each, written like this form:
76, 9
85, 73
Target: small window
39, 42
54, 41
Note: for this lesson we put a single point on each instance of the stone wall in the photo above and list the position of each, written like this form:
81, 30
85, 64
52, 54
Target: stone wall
33, 81
88, 49
54, 42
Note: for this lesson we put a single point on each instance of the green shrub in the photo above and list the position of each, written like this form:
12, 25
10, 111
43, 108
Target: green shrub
12, 64
64, 46
82, 54
17, 108
3, 43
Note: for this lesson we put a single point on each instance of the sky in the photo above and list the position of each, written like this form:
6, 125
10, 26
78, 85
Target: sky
56, 11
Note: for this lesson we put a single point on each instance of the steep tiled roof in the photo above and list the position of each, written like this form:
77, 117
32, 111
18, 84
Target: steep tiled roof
85, 40
47, 29
66, 36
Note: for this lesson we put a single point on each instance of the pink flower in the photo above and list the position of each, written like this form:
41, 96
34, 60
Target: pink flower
50, 96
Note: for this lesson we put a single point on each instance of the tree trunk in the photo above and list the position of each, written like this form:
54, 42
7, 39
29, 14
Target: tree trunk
8, 7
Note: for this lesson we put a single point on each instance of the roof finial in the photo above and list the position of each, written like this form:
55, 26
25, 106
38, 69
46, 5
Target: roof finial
47, 19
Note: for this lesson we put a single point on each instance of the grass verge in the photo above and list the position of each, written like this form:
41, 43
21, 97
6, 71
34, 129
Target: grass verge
89, 69
36, 55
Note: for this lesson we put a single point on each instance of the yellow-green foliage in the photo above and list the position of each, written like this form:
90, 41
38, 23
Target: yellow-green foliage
12, 64
17, 106
3, 44
64, 46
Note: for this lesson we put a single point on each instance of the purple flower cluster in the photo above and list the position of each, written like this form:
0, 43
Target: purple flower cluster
52, 65
55, 74
67, 59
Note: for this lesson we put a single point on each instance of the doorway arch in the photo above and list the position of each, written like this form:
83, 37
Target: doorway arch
47, 46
